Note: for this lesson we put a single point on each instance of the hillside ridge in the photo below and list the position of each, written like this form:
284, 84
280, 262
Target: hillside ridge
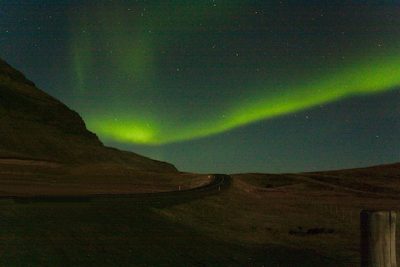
35, 125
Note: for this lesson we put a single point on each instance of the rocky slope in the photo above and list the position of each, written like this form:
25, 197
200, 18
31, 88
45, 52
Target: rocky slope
34, 125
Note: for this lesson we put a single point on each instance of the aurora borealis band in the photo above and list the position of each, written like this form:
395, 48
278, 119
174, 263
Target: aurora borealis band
172, 76
163, 77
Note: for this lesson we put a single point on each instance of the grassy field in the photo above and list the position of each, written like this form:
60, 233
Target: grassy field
260, 220
122, 233
29, 177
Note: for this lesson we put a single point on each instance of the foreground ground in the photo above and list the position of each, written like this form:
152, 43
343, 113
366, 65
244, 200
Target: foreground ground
259, 220
35, 177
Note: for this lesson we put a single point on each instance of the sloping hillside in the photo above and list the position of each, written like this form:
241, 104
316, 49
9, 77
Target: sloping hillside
34, 125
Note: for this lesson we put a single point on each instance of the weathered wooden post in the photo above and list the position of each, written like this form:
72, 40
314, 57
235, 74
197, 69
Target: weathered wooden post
378, 238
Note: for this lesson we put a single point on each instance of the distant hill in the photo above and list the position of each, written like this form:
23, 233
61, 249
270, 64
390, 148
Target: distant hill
36, 126
380, 180
385, 170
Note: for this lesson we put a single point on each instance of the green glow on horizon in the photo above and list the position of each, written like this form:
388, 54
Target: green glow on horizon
126, 131
367, 79
134, 56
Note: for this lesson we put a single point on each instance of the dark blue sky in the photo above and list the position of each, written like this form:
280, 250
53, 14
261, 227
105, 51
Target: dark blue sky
221, 86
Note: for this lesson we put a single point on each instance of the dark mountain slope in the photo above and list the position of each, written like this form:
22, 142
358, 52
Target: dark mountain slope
34, 125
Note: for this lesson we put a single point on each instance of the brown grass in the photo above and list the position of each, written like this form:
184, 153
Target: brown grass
265, 210
260, 220
30, 178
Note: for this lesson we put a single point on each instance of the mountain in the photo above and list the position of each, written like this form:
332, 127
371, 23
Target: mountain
36, 126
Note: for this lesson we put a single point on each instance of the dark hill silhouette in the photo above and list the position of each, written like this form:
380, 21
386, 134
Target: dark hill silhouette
34, 125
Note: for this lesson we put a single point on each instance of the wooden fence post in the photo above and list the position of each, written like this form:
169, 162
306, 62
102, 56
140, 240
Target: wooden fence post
378, 238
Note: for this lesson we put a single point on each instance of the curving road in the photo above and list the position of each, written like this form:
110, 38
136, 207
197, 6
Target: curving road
218, 183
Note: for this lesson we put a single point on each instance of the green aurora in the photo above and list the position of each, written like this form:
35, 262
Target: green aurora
148, 78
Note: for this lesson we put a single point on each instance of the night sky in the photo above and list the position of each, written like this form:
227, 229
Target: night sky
221, 86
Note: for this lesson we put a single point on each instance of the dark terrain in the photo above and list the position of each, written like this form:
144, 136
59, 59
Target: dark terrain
254, 220
45, 148
36, 126
66, 200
